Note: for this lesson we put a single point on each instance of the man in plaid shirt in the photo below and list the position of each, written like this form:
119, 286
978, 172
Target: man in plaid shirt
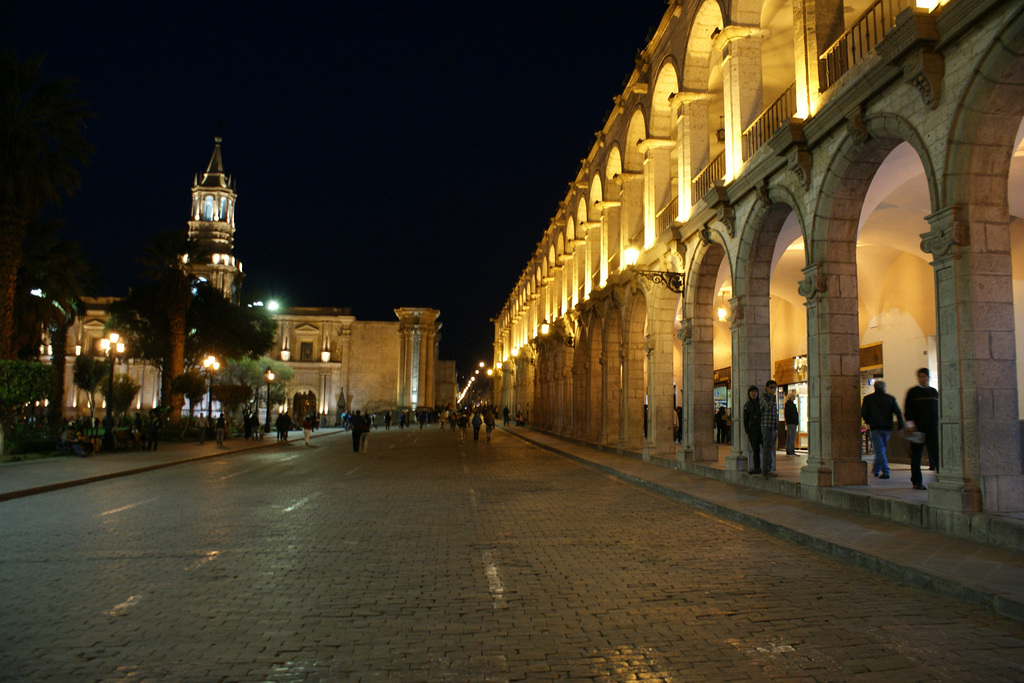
769, 427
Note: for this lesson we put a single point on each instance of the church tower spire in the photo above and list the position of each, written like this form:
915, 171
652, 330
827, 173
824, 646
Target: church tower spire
213, 227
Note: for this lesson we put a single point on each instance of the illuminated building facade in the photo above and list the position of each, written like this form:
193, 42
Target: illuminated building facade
340, 363
821, 194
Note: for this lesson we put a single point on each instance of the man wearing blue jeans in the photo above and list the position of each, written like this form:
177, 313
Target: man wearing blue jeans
877, 411
769, 427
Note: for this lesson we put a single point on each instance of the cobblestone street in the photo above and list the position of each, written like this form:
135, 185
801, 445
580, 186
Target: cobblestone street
426, 559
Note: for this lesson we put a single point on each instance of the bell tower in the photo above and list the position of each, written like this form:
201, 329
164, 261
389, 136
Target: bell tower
213, 227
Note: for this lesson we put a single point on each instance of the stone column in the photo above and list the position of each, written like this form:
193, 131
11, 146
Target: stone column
611, 383
979, 433
833, 364
816, 25
633, 389
631, 212
747, 345
657, 183
742, 87
696, 146
609, 239
660, 411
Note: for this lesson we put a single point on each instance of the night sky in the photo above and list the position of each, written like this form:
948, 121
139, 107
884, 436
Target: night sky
386, 154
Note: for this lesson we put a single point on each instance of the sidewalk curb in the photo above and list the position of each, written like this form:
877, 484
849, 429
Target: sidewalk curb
1007, 606
46, 488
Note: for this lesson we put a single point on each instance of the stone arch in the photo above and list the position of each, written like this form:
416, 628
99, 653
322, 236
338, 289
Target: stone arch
663, 120
698, 351
633, 158
581, 209
613, 166
596, 190
830, 287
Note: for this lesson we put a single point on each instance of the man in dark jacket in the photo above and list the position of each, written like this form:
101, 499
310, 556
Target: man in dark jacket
752, 425
922, 408
878, 410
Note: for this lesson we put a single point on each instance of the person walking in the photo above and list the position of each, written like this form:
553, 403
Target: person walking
463, 423
307, 429
203, 425
792, 415
489, 422
921, 412
478, 421
283, 423
221, 428
356, 422
769, 427
387, 420
877, 411
154, 430
752, 426
720, 425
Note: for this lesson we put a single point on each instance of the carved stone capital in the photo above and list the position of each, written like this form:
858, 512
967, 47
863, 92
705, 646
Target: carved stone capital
950, 229
815, 282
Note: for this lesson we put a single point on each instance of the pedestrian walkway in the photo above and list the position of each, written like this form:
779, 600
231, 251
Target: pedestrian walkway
30, 477
977, 573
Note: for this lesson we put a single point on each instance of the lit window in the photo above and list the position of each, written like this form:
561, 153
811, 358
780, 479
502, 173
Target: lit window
223, 209
208, 207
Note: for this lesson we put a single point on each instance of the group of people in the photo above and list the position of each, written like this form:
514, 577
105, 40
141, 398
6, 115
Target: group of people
919, 422
761, 424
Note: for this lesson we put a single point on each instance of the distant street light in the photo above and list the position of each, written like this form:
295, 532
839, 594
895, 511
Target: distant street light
113, 347
212, 365
269, 374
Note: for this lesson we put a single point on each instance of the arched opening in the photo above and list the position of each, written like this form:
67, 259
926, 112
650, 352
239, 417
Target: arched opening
303, 406
699, 354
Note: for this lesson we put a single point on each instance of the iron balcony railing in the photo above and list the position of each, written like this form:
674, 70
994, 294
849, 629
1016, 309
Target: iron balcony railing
663, 219
770, 120
859, 40
703, 181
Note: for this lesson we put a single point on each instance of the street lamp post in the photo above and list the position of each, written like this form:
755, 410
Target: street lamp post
269, 374
211, 364
113, 346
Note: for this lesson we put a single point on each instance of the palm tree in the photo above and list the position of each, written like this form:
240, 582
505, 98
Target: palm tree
42, 143
165, 261
52, 280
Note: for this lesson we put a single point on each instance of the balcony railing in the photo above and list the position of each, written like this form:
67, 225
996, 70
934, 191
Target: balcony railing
770, 120
859, 40
663, 219
706, 178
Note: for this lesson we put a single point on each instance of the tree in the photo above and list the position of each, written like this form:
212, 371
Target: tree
53, 277
126, 388
21, 382
191, 385
219, 327
41, 146
88, 374
165, 261
251, 373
